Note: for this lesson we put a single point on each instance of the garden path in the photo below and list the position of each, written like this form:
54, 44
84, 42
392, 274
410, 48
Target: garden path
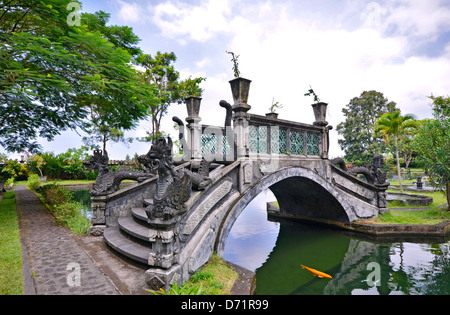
58, 265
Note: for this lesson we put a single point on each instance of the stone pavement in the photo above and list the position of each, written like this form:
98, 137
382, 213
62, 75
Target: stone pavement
58, 264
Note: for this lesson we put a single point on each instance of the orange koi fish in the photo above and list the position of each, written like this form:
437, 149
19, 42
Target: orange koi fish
317, 273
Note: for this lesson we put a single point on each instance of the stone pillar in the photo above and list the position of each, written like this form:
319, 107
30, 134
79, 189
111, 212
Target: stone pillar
240, 89
382, 197
320, 114
163, 256
195, 129
98, 219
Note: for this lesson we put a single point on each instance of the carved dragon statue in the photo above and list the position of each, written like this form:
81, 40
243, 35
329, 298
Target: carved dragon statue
372, 173
173, 187
108, 181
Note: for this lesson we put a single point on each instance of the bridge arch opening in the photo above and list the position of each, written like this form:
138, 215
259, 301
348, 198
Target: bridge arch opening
300, 193
302, 197
252, 237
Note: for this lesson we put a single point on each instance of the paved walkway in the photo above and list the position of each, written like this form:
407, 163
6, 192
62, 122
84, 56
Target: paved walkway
54, 259
58, 264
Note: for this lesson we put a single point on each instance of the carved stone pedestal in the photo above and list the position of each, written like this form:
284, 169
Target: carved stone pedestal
157, 278
382, 197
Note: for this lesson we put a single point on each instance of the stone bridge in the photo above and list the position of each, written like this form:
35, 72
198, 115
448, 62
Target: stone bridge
249, 154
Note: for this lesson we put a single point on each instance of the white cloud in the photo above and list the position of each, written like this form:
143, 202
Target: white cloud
202, 63
284, 48
129, 12
284, 58
283, 54
200, 23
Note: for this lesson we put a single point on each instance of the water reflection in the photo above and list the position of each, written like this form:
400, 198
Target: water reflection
275, 250
83, 197
252, 237
358, 265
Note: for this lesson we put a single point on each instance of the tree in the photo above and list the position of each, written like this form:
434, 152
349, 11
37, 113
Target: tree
191, 87
432, 144
359, 143
104, 132
104, 125
406, 148
119, 36
52, 73
160, 74
395, 125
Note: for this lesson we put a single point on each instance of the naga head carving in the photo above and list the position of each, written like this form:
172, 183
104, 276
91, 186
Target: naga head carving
99, 161
159, 158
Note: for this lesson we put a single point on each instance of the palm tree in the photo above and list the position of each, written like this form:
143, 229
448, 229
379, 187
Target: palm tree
395, 125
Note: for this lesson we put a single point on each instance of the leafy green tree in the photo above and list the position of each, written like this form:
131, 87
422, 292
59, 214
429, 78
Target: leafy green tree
191, 87
104, 125
160, 75
432, 144
360, 143
53, 74
160, 72
119, 36
406, 148
395, 125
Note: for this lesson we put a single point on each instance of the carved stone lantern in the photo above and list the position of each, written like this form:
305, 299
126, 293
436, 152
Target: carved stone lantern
320, 113
240, 88
193, 106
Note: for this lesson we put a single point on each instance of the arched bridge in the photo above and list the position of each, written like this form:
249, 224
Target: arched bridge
174, 219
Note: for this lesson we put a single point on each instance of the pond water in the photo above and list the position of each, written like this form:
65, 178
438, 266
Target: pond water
83, 197
358, 265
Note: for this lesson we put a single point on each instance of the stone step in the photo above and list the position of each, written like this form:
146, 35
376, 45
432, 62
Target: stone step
140, 214
148, 202
133, 228
114, 238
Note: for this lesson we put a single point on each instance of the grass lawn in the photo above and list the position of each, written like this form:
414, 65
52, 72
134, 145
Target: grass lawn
215, 278
404, 182
433, 214
61, 182
438, 199
11, 279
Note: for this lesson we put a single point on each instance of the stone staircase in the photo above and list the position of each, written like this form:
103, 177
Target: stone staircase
131, 237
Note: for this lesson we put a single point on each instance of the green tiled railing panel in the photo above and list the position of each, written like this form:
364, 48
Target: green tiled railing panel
296, 139
312, 144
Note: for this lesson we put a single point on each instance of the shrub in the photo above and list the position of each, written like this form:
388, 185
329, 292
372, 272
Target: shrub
67, 212
55, 194
178, 290
9, 182
71, 215
33, 182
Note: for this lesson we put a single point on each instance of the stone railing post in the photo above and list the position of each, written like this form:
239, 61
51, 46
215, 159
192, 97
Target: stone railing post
195, 129
240, 89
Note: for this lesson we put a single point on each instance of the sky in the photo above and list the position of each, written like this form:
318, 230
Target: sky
340, 48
